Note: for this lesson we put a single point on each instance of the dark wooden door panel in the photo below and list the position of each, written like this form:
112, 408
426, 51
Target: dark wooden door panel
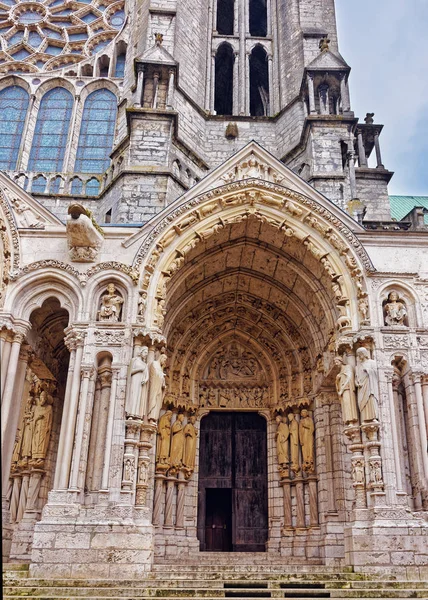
232, 507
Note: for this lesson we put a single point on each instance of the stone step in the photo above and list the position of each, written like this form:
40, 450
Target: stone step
300, 593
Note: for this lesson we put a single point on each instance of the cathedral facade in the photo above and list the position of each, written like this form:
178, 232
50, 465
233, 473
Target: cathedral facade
214, 332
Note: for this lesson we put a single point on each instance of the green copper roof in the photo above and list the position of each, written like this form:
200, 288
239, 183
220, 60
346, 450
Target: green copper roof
402, 205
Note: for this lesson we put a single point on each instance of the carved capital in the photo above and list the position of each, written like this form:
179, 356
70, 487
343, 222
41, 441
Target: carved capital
18, 337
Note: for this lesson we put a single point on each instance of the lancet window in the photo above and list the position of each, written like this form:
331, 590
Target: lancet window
51, 133
258, 18
259, 83
13, 110
223, 98
225, 17
96, 132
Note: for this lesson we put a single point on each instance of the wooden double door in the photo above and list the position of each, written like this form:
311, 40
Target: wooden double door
233, 485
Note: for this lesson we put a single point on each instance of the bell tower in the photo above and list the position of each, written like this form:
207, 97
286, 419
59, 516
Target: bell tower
207, 77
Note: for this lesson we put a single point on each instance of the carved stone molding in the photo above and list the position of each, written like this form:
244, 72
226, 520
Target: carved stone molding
108, 337
396, 341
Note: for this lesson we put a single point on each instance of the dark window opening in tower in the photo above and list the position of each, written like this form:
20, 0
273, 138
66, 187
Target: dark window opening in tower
259, 83
225, 16
223, 98
258, 18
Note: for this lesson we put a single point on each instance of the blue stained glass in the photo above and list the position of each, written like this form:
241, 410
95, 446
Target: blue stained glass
63, 23
50, 136
34, 39
96, 132
120, 65
39, 185
55, 185
40, 64
4, 29
17, 37
100, 45
30, 17
117, 19
63, 13
92, 187
57, 3
76, 186
8, 2
21, 54
89, 17
13, 110
52, 34
54, 50
73, 37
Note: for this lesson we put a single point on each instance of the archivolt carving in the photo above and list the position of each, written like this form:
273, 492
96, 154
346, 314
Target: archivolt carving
237, 194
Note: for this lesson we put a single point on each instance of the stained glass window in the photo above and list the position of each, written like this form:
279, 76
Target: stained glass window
96, 132
92, 187
13, 109
120, 65
50, 136
76, 186
39, 185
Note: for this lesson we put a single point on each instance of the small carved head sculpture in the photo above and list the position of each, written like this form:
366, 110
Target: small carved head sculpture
180, 417
278, 419
338, 361
393, 296
290, 416
111, 288
192, 419
362, 354
144, 352
162, 359
304, 413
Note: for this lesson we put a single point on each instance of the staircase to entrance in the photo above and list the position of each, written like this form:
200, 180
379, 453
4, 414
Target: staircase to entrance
221, 580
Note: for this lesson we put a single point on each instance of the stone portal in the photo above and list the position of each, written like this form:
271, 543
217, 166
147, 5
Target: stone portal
233, 490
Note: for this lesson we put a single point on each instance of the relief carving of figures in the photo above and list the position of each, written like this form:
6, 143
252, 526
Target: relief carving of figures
366, 379
164, 439
306, 435
358, 471
129, 469
190, 434
156, 387
142, 303
138, 377
394, 310
42, 426
282, 435
345, 385
111, 305
177, 442
293, 426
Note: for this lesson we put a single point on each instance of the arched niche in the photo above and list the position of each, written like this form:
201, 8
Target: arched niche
223, 94
259, 82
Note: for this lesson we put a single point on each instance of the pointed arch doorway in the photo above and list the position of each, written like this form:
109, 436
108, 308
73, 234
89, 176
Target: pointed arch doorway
233, 486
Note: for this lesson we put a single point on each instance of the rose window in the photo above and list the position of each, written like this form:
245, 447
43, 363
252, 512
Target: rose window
50, 34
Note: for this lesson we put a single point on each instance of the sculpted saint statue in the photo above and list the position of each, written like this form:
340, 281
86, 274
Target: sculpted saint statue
156, 388
190, 434
177, 442
164, 438
282, 435
111, 305
395, 310
27, 434
366, 379
345, 385
306, 434
138, 377
293, 427
42, 426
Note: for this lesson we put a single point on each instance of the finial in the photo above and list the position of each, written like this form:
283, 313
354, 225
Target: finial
369, 118
324, 44
159, 39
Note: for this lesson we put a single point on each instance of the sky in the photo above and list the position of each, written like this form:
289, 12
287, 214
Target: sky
385, 42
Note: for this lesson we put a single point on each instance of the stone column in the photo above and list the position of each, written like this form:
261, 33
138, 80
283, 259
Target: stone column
109, 430
140, 86
394, 425
23, 495
208, 59
378, 153
212, 91
313, 501
105, 377
74, 342
235, 83
157, 501
14, 500
270, 76
155, 89
352, 179
424, 382
86, 374
362, 158
300, 503
311, 92
417, 383
286, 490
242, 59
181, 495
169, 501
6, 345
170, 95
344, 93
247, 83
129, 460
11, 402
413, 436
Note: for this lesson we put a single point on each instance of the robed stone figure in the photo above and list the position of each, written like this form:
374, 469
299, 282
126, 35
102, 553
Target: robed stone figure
293, 427
282, 435
164, 438
366, 379
306, 435
42, 426
138, 377
345, 386
156, 388
177, 442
